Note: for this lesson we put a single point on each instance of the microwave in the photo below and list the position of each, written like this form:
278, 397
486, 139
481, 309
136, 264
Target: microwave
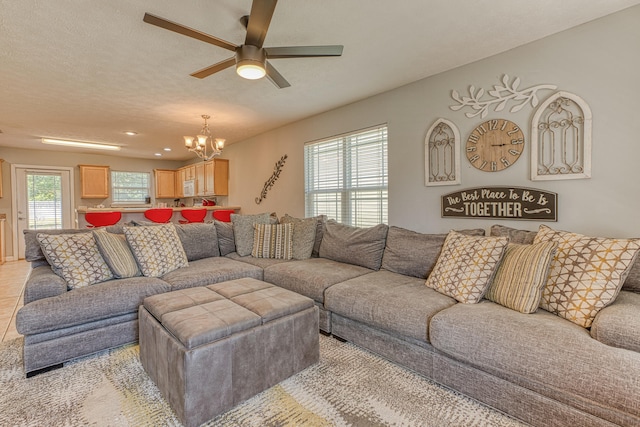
189, 189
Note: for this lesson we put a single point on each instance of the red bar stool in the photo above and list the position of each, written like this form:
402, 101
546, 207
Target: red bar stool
159, 215
223, 215
102, 219
192, 215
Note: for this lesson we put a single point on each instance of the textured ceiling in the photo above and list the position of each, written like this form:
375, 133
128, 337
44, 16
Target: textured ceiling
90, 70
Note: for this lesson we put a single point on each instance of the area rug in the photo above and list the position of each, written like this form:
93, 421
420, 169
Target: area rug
349, 387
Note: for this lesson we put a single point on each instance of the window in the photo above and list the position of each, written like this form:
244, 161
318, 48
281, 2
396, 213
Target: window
129, 187
346, 178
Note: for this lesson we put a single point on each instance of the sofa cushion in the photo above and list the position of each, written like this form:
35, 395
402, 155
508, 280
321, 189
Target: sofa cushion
515, 235
258, 262
304, 235
79, 306
466, 266
310, 277
199, 240
354, 245
586, 273
521, 275
226, 239
272, 241
117, 254
618, 324
540, 352
75, 258
395, 303
207, 271
243, 230
632, 282
157, 249
414, 254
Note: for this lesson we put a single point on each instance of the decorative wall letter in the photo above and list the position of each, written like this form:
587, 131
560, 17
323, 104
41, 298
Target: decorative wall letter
561, 139
500, 95
442, 154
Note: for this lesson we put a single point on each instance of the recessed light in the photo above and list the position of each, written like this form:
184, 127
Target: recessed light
167, 149
130, 132
158, 154
81, 144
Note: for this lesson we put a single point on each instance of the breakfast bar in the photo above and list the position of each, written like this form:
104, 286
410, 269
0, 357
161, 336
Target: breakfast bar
137, 213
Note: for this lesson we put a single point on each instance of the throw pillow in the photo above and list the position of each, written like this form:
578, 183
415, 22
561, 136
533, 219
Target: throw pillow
466, 266
515, 235
116, 253
354, 245
414, 254
157, 249
304, 235
199, 240
273, 241
75, 258
521, 275
320, 222
586, 273
243, 230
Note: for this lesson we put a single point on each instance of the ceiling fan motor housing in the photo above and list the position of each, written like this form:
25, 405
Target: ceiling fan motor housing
251, 61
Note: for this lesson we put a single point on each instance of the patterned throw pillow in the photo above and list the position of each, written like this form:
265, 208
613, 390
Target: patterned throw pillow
243, 230
116, 252
157, 249
521, 275
466, 266
75, 258
586, 273
273, 241
304, 235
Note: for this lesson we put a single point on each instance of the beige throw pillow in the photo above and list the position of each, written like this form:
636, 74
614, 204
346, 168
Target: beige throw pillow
273, 241
586, 273
466, 266
157, 249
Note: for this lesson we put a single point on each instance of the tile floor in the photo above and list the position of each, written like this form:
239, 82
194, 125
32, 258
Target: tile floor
12, 277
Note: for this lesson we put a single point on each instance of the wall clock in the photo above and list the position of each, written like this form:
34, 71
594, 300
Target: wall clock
495, 145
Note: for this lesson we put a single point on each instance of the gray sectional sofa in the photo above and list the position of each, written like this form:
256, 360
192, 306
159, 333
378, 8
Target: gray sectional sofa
369, 285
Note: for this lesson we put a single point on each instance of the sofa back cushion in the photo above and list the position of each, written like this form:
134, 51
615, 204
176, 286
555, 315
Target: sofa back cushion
414, 254
354, 245
243, 230
199, 240
522, 237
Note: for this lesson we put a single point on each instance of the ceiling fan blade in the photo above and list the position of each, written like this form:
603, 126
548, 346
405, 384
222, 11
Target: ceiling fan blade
259, 20
275, 77
222, 65
186, 31
303, 51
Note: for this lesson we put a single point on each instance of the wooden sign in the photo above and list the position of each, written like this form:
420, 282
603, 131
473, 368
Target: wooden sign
501, 202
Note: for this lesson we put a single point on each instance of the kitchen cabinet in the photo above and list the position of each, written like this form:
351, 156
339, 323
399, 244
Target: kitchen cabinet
199, 178
1, 177
220, 185
94, 181
165, 183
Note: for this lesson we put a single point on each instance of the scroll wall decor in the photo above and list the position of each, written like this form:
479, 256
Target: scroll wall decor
499, 96
271, 181
442, 154
561, 139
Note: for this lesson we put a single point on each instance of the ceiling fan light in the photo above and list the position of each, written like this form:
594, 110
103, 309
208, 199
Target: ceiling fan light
250, 70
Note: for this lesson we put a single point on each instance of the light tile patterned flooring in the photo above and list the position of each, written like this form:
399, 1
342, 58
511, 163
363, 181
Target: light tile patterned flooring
12, 277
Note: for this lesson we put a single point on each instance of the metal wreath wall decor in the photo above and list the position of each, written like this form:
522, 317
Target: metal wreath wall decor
274, 177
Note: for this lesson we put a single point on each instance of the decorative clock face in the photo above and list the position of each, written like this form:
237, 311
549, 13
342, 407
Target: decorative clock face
495, 145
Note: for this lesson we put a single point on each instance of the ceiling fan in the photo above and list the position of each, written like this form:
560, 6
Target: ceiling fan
251, 59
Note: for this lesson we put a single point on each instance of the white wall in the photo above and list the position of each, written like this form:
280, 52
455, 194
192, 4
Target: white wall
598, 61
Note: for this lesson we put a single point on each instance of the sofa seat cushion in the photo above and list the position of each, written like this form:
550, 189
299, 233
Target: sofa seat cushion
389, 301
618, 324
88, 304
310, 277
207, 271
258, 262
541, 352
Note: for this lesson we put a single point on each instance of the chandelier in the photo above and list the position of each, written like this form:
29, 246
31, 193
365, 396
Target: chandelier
198, 144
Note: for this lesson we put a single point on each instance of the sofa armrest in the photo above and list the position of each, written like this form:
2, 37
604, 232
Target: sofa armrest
43, 283
618, 324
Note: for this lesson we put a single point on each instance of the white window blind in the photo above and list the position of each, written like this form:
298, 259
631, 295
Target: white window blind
346, 178
129, 187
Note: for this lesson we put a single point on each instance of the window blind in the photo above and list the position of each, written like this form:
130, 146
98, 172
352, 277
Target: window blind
129, 187
346, 177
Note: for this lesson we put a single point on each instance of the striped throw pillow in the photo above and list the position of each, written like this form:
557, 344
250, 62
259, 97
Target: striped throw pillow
116, 253
272, 241
521, 276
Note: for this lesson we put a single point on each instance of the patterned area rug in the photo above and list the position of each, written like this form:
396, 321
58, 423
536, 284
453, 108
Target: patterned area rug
349, 387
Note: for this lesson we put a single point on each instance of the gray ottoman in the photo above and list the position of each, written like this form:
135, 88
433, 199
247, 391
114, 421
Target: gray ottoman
210, 348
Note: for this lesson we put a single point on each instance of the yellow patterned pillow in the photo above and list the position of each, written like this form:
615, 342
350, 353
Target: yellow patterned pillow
75, 258
466, 266
157, 249
521, 276
586, 273
273, 241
